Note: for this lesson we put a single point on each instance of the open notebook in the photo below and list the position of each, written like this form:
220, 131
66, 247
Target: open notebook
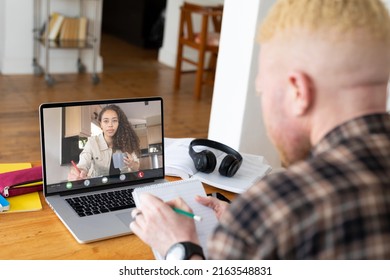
186, 189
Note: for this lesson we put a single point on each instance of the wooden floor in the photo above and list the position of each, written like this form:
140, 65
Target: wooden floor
128, 72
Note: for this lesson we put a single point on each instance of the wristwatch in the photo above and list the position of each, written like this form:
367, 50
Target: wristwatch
184, 251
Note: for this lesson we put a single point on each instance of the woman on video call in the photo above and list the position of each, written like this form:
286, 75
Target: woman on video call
117, 140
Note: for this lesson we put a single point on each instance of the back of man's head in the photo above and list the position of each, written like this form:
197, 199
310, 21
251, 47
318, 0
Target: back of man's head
322, 62
333, 39
330, 18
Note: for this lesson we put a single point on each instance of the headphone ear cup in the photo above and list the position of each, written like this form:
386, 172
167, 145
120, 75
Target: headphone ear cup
229, 166
205, 161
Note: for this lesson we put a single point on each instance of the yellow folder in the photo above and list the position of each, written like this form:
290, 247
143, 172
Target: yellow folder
24, 203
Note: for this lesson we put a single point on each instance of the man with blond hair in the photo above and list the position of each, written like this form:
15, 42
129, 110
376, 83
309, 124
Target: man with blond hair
323, 72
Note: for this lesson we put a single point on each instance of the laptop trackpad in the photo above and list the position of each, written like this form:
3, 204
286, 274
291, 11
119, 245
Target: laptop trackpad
125, 218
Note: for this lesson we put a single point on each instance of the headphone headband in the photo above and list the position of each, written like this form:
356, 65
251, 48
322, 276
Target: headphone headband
215, 145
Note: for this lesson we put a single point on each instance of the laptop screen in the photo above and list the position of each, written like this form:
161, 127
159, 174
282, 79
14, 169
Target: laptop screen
94, 144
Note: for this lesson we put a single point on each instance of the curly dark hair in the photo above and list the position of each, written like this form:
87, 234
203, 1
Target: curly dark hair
125, 138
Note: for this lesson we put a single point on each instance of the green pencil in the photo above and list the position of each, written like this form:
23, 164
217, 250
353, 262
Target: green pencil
188, 214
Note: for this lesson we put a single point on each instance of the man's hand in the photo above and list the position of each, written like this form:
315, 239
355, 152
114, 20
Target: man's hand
159, 226
217, 205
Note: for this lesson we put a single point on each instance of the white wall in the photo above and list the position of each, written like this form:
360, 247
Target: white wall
17, 36
387, 3
236, 117
53, 119
168, 51
254, 138
17, 20
2, 20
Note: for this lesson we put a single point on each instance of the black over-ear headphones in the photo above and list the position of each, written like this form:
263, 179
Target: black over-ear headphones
205, 161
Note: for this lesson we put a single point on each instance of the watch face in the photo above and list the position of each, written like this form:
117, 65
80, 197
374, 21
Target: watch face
176, 252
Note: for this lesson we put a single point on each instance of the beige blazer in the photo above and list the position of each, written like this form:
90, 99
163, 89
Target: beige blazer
96, 157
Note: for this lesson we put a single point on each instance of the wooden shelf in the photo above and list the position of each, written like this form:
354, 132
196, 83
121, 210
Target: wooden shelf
67, 44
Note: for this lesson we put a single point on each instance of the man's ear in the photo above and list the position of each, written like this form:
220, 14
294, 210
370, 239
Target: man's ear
300, 91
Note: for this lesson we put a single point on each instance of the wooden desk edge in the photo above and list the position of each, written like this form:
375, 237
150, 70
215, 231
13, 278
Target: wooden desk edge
41, 235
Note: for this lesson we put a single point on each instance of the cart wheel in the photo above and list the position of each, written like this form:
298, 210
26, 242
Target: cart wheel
80, 66
95, 79
38, 70
49, 80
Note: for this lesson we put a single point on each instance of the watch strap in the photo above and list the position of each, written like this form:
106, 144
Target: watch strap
190, 249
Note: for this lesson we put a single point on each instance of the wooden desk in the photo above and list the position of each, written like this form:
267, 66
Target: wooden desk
41, 235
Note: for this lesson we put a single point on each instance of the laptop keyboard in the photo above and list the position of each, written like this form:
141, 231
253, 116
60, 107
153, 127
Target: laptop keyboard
88, 205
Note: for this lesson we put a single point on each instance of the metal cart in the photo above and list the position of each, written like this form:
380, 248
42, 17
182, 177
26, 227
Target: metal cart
92, 40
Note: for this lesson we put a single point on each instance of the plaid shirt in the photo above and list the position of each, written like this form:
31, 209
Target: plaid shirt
334, 205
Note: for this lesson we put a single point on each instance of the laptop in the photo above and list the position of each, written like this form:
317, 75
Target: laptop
89, 191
